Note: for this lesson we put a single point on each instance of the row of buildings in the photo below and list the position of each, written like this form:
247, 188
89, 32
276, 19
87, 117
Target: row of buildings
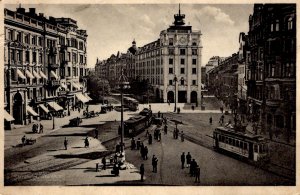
261, 77
171, 64
45, 65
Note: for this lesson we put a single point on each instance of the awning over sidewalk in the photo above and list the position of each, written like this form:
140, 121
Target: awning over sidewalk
36, 74
20, 74
81, 98
29, 75
54, 74
44, 108
43, 75
76, 85
55, 106
8, 117
88, 97
31, 111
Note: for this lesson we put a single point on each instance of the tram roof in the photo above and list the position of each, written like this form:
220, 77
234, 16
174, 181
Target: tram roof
240, 134
129, 98
134, 119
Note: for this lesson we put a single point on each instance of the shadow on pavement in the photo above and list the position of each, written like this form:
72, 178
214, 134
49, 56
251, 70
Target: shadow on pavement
65, 135
90, 155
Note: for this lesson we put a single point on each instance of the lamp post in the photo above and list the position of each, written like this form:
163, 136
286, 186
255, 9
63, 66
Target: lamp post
175, 81
68, 102
122, 84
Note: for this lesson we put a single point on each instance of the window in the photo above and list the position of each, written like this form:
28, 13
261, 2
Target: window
277, 25
290, 23
33, 41
182, 51
69, 71
182, 61
19, 36
194, 82
272, 27
171, 51
27, 59
171, 41
34, 57
40, 41
170, 82
181, 70
81, 45
194, 71
194, 51
19, 56
81, 59
194, 61
74, 58
170, 70
27, 38
10, 34
181, 82
170, 60
40, 58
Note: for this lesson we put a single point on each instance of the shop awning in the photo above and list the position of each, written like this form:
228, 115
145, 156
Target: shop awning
8, 117
54, 74
20, 74
43, 75
55, 106
31, 111
88, 97
29, 75
44, 108
81, 97
76, 85
36, 74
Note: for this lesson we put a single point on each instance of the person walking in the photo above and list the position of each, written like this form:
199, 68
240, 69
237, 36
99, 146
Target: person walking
86, 142
166, 129
23, 140
150, 139
193, 167
182, 160
104, 163
154, 164
142, 150
96, 134
132, 147
174, 134
146, 153
66, 143
182, 136
159, 136
142, 171
210, 120
197, 174
188, 159
138, 144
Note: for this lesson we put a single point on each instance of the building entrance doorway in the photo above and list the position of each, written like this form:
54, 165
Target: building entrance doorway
18, 109
193, 97
182, 97
170, 96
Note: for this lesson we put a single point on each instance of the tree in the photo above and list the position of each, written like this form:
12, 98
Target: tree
97, 87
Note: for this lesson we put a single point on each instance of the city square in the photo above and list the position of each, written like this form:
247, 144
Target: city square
130, 118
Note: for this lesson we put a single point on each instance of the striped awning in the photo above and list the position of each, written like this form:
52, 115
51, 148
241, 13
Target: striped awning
55, 106
8, 117
43, 75
81, 98
44, 108
88, 97
20, 74
76, 85
28, 74
36, 74
54, 74
31, 111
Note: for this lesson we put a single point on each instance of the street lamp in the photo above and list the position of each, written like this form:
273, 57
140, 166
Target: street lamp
122, 84
175, 81
68, 103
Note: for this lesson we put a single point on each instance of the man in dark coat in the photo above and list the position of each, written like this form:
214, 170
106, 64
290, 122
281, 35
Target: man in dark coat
197, 174
188, 159
182, 160
142, 171
154, 163
166, 129
104, 163
146, 153
138, 144
150, 139
193, 167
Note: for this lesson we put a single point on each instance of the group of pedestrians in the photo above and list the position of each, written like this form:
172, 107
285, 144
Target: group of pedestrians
192, 164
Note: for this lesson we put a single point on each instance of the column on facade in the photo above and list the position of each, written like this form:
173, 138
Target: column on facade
188, 71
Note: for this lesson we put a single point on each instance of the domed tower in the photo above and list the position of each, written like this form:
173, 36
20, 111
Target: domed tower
133, 48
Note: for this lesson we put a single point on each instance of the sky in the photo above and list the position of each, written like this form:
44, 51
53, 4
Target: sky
112, 27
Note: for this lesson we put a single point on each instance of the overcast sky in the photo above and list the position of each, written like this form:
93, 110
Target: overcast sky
111, 28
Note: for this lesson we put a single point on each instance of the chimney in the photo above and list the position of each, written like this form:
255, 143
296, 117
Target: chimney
32, 11
21, 10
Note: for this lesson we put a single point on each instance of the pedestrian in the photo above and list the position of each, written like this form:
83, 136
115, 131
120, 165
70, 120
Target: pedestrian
142, 150
174, 133
111, 159
159, 136
182, 158
221, 108
166, 129
193, 167
182, 136
78, 109
96, 134
197, 174
210, 120
23, 140
150, 139
188, 159
66, 143
132, 147
142, 171
86, 142
138, 144
146, 153
104, 163
154, 164
116, 170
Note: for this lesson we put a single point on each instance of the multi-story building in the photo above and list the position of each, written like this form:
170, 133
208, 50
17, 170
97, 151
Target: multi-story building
172, 63
272, 82
40, 74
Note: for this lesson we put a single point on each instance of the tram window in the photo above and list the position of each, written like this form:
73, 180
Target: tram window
255, 148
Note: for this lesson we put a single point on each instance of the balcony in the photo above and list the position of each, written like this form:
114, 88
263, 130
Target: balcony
53, 83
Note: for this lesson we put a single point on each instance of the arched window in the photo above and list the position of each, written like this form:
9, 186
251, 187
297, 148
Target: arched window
290, 23
277, 25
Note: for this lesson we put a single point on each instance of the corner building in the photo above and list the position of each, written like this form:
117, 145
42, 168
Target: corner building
176, 54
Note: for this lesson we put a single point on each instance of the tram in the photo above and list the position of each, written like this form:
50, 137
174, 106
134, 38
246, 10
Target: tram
253, 148
131, 103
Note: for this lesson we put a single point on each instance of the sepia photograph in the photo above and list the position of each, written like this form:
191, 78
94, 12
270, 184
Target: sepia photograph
173, 94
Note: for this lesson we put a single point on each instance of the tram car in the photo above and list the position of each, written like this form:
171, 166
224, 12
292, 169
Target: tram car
135, 125
253, 148
131, 103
